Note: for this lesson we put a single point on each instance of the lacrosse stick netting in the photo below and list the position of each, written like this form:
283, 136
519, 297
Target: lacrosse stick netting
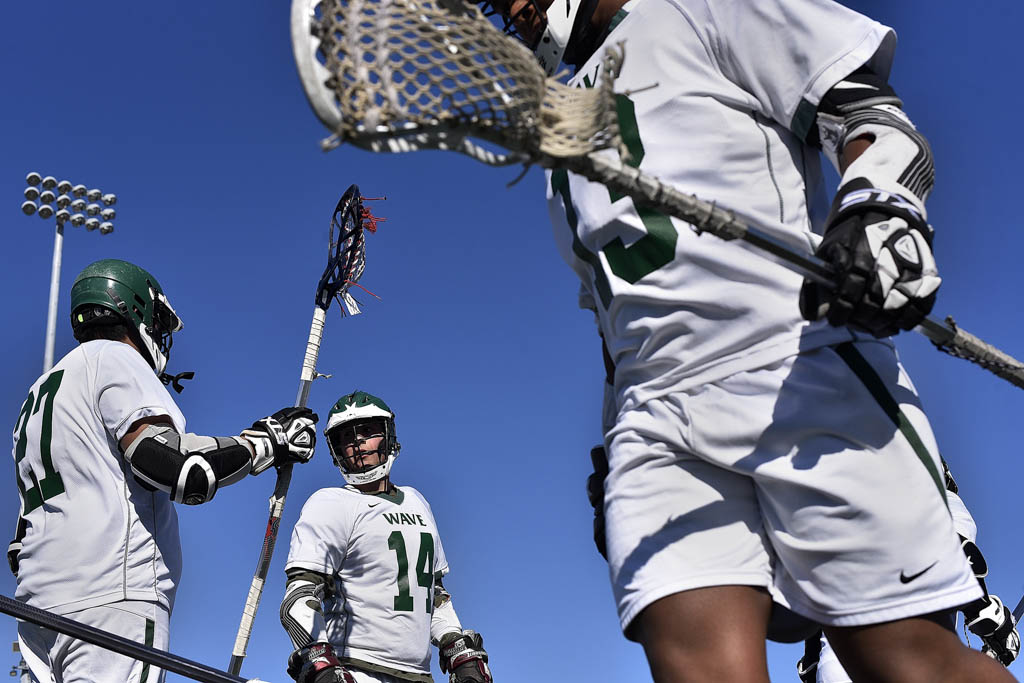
404, 75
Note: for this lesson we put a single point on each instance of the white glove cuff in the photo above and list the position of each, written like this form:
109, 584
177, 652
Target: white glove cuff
262, 449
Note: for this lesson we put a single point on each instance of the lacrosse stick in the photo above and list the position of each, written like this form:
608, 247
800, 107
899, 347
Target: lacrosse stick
110, 641
346, 258
406, 75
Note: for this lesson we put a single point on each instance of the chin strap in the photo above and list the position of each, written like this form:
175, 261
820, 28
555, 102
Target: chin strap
175, 380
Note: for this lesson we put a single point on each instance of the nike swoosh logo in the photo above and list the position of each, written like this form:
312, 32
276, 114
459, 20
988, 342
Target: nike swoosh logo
907, 579
853, 85
373, 505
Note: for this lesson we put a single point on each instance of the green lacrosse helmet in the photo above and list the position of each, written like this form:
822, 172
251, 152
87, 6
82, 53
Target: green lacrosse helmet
112, 290
354, 409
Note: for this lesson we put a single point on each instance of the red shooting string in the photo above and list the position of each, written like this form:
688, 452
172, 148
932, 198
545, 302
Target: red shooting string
364, 289
369, 220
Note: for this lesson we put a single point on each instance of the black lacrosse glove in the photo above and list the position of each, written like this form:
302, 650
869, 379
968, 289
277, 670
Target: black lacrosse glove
992, 621
880, 247
595, 494
317, 663
463, 658
13, 551
287, 436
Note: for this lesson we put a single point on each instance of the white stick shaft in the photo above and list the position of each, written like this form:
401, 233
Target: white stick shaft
308, 374
284, 477
51, 315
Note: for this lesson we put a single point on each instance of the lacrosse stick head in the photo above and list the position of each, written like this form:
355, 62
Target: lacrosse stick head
346, 255
403, 75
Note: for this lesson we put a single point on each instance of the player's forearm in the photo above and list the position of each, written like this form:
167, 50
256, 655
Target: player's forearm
852, 152
862, 129
302, 608
443, 620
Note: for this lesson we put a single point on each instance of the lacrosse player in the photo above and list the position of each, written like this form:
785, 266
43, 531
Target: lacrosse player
364, 598
766, 444
101, 452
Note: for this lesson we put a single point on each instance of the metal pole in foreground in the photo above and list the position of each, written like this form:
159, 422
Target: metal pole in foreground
71, 197
116, 643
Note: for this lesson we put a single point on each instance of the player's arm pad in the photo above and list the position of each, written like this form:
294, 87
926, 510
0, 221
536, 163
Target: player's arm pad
977, 561
443, 620
187, 466
302, 614
864, 105
14, 547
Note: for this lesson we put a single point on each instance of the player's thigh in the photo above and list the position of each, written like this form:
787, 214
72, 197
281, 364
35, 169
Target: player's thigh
849, 483
914, 649
141, 622
675, 522
706, 634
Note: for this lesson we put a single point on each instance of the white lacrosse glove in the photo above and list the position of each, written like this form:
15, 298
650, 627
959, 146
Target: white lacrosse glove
287, 436
880, 247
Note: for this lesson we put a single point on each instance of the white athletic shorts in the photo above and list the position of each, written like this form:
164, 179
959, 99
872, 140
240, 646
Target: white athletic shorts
817, 477
363, 676
56, 658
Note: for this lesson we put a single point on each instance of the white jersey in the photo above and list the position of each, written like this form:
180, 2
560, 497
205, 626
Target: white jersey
94, 534
715, 103
385, 554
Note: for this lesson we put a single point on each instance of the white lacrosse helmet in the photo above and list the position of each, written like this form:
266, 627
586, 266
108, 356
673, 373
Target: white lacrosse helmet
562, 23
354, 411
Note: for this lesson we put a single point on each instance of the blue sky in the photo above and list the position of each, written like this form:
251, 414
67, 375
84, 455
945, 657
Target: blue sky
193, 115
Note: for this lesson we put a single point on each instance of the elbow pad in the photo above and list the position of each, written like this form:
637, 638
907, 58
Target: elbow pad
899, 160
189, 467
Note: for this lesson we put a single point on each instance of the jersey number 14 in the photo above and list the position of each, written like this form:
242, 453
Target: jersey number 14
424, 570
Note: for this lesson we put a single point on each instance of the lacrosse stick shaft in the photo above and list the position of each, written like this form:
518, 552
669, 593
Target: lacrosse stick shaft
284, 478
1018, 611
110, 641
707, 217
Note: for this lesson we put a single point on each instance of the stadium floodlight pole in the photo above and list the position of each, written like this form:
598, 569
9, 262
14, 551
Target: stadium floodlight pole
81, 213
346, 258
115, 643
20, 669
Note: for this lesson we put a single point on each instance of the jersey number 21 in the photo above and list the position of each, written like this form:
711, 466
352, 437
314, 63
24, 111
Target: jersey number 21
51, 484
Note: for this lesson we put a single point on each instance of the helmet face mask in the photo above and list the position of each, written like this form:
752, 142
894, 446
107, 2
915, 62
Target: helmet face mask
359, 444
133, 296
158, 337
360, 434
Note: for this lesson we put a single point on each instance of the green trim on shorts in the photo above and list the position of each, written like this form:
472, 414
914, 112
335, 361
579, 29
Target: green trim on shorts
874, 384
150, 633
